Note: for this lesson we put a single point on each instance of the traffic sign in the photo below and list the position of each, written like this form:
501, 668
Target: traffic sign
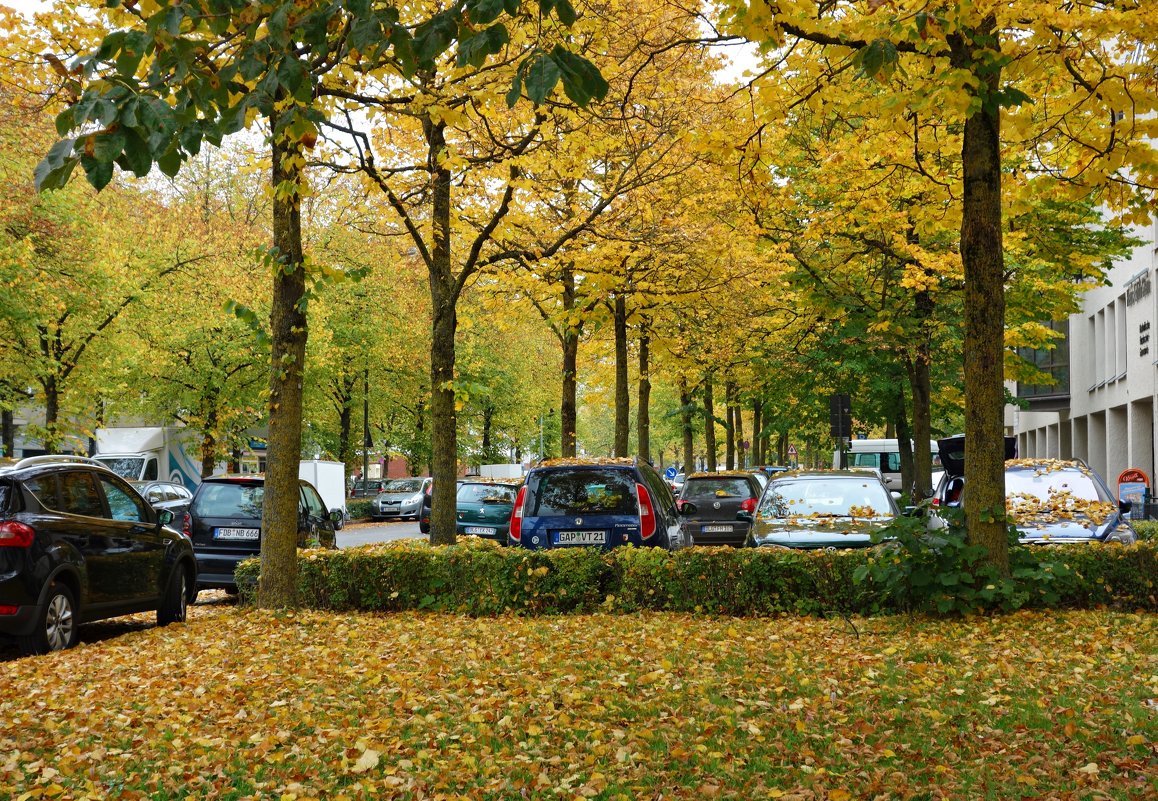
792, 450
670, 473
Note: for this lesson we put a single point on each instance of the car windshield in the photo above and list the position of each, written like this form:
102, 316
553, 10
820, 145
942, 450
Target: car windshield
1061, 490
229, 500
403, 485
844, 496
481, 493
725, 487
124, 466
580, 491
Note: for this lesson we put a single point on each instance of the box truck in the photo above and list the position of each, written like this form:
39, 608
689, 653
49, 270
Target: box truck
329, 479
151, 453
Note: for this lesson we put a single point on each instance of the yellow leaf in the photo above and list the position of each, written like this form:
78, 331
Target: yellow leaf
1136, 739
839, 795
368, 760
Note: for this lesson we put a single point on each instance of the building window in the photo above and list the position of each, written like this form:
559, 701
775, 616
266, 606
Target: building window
1055, 362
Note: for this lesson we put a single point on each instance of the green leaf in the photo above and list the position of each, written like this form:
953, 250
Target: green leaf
433, 37
136, 157
170, 162
485, 12
157, 119
516, 90
56, 168
581, 79
99, 173
108, 145
542, 77
566, 12
475, 49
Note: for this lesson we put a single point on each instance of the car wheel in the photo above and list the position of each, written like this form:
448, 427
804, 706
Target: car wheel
56, 629
424, 528
175, 604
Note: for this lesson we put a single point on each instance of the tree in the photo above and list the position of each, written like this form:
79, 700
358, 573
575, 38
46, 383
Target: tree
175, 75
1085, 64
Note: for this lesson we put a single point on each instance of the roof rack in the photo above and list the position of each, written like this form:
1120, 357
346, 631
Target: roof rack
57, 458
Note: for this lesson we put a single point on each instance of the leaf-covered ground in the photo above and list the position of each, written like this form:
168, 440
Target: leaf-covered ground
250, 704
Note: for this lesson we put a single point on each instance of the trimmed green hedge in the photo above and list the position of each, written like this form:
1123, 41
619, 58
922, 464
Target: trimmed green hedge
478, 577
358, 508
1147, 529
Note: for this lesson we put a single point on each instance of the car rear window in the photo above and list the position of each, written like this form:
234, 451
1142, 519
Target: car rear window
717, 488
583, 491
229, 500
477, 493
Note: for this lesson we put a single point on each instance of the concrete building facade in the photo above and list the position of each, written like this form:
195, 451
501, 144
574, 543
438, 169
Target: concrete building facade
1102, 409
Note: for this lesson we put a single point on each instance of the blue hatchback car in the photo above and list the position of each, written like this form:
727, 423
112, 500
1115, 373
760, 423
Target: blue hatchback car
600, 503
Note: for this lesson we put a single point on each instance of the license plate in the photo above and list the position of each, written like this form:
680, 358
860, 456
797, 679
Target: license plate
478, 530
580, 537
717, 529
236, 533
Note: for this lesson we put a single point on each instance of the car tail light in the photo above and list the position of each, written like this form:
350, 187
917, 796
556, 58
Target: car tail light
646, 512
9, 610
16, 535
516, 527
187, 525
748, 505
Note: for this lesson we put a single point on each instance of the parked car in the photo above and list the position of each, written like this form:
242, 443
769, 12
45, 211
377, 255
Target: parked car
595, 502
400, 498
165, 495
224, 523
424, 518
1052, 501
821, 509
367, 488
78, 543
677, 483
483, 507
709, 503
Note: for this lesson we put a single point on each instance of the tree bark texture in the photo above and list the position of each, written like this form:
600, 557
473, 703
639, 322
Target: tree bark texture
444, 418
738, 416
982, 257
689, 464
757, 433
622, 400
570, 336
709, 426
643, 401
730, 427
279, 521
920, 385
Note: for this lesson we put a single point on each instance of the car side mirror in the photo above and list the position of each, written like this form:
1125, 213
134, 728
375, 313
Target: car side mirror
336, 515
896, 494
1125, 506
165, 517
686, 507
745, 516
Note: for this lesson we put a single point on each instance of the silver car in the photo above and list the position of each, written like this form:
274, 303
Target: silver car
400, 498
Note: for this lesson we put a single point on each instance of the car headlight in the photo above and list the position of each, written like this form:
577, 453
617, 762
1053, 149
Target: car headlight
415, 498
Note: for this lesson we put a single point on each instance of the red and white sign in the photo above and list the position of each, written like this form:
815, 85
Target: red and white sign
791, 450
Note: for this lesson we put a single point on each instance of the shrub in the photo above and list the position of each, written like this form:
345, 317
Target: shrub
478, 577
358, 508
1147, 529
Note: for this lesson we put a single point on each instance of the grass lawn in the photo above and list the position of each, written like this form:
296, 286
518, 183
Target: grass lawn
249, 704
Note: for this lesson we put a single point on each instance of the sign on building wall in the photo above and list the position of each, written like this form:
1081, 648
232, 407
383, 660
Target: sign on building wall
1138, 288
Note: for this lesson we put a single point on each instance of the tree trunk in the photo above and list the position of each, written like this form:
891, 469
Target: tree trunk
571, 331
209, 443
622, 402
279, 520
7, 434
757, 433
51, 413
709, 426
488, 421
686, 425
920, 385
981, 255
730, 434
739, 419
444, 419
345, 398
643, 412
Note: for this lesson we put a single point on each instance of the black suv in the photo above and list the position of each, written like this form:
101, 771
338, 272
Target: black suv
78, 543
595, 502
224, 522
710, 502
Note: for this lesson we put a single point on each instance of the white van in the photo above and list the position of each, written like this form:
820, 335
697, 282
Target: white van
882, 455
